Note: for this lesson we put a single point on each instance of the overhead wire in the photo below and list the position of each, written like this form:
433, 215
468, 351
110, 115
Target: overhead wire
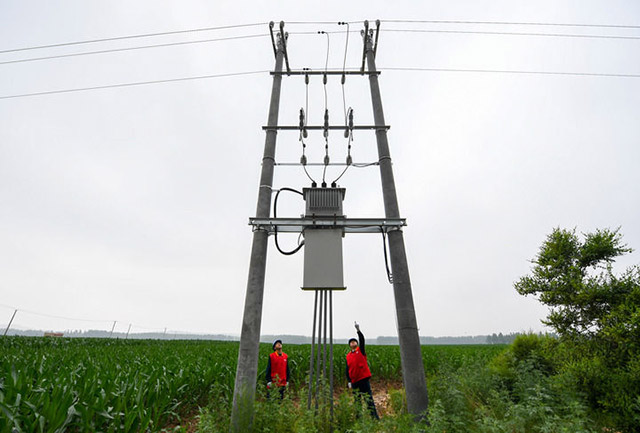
516, 23
138, 83
143, 35
473, 32
509, 71
115, 50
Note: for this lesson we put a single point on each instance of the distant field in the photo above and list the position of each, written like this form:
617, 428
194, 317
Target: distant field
61, 384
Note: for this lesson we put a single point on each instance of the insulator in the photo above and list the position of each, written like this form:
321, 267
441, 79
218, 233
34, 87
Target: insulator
306, 79
324, 79
326, 123
346, 133
344, 78
305, 134
326, 160
301, 118
351, 118
303, 160
349, 160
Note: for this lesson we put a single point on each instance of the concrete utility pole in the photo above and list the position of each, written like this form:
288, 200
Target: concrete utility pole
247, 370
10, 322
413, 377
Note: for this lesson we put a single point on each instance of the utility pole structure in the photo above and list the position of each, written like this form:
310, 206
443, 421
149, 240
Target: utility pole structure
247, 369
318, 224
413, 377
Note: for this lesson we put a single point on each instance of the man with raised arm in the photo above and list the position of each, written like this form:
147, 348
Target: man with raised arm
358, 373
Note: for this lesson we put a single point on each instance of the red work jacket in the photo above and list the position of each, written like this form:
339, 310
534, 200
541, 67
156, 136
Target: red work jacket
279, 368
357, 365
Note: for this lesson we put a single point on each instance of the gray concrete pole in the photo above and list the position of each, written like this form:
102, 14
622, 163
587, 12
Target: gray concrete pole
247, 369
10, 322
410, 354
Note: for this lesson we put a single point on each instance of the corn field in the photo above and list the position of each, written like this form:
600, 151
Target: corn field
90, 385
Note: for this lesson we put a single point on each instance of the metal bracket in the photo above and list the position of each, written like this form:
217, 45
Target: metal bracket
331, 127
349, 225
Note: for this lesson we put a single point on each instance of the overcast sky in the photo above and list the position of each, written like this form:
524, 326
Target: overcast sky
132, 203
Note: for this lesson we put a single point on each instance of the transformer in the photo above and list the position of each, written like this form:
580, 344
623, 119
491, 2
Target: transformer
323, 268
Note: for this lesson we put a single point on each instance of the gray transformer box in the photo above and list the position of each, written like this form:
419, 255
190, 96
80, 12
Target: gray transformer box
323, 260
323, 268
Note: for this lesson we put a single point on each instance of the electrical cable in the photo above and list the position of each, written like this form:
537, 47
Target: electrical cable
512, 23
139, 83
498, 71
511, 34
386, 259
144, 35
344, 65
304, 116
115, 50
411, 69
326, 113
275, 230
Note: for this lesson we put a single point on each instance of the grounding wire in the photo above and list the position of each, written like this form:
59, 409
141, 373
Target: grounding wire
143, 35
115, 50
275, 229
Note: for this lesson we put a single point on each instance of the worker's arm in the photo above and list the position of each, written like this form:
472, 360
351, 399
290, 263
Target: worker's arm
361, 342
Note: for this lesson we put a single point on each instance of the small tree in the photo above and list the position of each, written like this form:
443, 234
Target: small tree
576, 280
597, 316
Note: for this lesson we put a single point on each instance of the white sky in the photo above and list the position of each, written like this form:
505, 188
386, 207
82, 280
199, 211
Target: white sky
132, 204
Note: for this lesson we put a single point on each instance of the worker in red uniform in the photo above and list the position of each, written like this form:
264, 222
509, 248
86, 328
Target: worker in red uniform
358, 373
277, 370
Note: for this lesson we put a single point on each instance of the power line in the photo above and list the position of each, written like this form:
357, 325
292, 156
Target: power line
140, 83
498, 71
565, 35
143, 35
169, 44
235, 26
201, 77
514, 23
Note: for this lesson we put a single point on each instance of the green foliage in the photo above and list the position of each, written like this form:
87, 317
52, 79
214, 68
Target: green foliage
597, 316
575, 279
49, 385
56, 385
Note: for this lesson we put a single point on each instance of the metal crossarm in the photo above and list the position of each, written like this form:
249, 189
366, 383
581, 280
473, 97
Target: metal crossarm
349, 225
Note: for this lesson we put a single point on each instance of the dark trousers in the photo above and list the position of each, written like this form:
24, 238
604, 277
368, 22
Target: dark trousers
362, 388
